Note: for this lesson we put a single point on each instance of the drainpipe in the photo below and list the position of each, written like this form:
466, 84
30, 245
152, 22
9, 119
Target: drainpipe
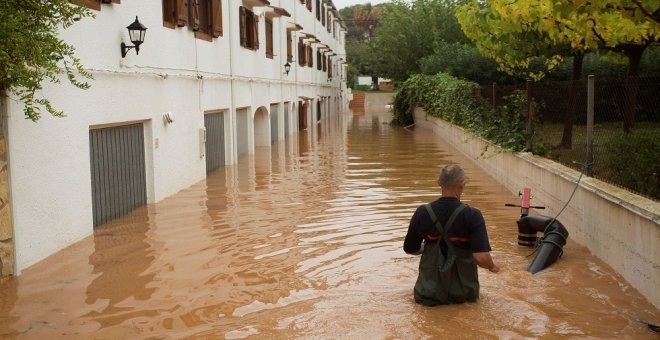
232, 106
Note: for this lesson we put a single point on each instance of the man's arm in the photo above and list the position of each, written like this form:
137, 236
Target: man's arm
484, 260
413, 243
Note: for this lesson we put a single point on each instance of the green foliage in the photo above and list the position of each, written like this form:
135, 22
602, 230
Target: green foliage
634, 163
31, 52
407, 32
464, 61
457, 101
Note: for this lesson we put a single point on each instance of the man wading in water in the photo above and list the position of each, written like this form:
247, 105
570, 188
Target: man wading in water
452, 239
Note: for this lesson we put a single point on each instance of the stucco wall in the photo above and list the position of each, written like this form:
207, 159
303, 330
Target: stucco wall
619, 227
49, 161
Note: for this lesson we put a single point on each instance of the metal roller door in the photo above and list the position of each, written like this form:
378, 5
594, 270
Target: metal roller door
215, 141
118, 171
273, 123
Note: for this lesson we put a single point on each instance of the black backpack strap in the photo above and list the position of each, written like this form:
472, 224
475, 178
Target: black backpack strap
443, 230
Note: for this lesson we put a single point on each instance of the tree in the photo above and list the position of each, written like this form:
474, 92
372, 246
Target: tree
463, 61
31, 52
361, 20
624, 26
514, 41
408, 32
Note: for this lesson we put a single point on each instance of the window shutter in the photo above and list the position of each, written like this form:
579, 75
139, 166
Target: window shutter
243, 20
255, 31
324, 64
194, 15
301, 53
93, 4
329, 67
310, 56
319, 63
318, 10
216, 16
309, 5
116, 1
181, 12
269, 38
289, 46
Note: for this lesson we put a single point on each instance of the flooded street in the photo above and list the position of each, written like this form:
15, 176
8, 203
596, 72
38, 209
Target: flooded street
304, 240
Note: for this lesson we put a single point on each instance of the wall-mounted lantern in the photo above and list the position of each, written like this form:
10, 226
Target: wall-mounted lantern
136, 33
287, 68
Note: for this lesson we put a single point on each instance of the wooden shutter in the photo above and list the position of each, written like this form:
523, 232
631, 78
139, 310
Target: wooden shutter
243, 21
318, 10
319, 63
269, 38
216, 17
323, 15
324, 64
93, 4
309, 5
310, 56
301, 52
329, 22
289, 46
194, 15
181, 12
329, 67
255, 31
116, 1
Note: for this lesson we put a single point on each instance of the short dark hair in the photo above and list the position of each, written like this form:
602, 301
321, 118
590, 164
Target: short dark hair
451, 176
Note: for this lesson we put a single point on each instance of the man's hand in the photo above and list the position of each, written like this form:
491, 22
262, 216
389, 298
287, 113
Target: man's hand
495, 268
421, 249
484, 260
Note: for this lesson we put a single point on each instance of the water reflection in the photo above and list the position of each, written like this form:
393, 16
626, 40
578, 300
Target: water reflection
303, 240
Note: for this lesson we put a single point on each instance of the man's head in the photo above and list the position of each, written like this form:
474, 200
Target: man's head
451, 178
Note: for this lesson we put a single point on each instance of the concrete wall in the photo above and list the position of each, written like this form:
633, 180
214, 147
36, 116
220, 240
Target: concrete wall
619, 227
176, 73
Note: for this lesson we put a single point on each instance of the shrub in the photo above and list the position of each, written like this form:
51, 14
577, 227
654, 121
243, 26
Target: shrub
457, 101
633, 161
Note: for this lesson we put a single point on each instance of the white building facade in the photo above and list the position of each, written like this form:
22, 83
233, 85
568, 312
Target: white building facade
207, 87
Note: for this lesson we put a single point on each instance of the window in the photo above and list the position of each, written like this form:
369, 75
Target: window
269, 38
318, 10
249, 29
319, 63
202, 16
329, 22
329, 67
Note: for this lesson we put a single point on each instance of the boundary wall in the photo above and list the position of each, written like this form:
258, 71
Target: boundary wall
621, 228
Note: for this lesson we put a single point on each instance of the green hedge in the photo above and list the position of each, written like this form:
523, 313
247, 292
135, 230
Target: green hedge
457, 101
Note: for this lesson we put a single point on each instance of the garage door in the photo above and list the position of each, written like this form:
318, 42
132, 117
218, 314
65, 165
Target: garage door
118, 171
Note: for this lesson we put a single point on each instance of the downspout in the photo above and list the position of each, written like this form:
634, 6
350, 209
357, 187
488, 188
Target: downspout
232, 87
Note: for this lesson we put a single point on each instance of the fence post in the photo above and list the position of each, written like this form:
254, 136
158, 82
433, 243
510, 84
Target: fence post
494, 101
528, 143
590, 122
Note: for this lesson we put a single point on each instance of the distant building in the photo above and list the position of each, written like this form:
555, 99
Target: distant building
209, 84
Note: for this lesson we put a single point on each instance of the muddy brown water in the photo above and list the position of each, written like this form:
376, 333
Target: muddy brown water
304, 240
